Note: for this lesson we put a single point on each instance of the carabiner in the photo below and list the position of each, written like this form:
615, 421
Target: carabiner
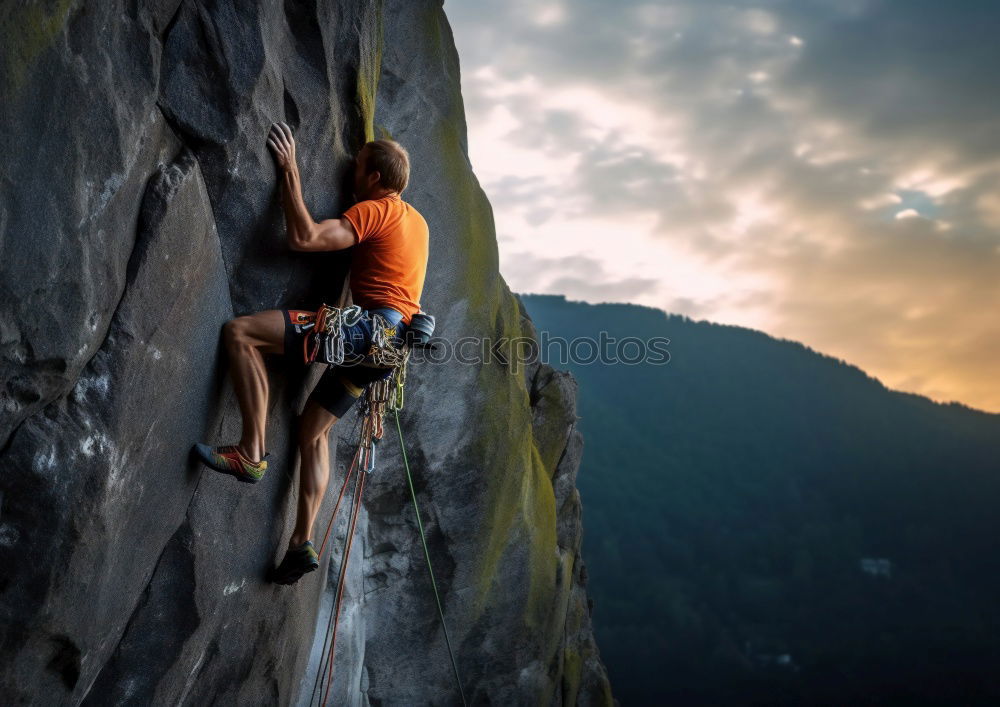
369, 466
351, 315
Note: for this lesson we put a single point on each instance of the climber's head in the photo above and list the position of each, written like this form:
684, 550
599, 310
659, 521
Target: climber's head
381, 167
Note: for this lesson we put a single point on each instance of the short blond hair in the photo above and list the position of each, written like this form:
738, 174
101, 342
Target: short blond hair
391, 161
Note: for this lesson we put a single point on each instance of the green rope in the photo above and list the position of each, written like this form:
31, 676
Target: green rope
427, 555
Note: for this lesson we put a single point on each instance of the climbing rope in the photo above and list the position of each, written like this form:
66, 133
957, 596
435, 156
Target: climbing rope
343, 487
359, 487
322, 673
427, 556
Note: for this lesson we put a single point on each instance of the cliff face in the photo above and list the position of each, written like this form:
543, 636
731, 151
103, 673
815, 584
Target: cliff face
139, 213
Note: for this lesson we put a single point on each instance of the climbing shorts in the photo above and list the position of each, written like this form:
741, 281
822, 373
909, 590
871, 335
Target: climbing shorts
340, 386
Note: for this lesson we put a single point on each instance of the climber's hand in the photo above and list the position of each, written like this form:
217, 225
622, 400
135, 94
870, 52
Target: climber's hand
282, 144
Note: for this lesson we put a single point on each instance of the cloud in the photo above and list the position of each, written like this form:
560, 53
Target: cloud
909, 74
576, 276
824, 171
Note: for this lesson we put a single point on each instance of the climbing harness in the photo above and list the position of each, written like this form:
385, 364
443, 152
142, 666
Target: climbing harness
377, 399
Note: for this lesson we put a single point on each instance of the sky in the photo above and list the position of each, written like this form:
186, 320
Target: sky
826, 171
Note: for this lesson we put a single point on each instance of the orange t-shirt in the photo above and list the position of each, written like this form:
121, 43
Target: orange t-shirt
390, 256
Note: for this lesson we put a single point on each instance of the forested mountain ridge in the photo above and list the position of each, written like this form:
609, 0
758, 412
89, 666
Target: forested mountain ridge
769, 523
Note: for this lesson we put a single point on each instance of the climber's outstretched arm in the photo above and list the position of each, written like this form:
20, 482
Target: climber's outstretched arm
303, 232
297, 219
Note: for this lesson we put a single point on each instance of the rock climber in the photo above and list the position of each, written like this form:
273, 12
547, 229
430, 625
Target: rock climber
390, 242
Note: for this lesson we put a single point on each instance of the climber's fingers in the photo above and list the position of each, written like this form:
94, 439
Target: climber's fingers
280, 140
277, 146
278, 135
287, 134
281, 156
279, 152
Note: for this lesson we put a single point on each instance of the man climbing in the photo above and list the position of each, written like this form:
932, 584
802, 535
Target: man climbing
389, 261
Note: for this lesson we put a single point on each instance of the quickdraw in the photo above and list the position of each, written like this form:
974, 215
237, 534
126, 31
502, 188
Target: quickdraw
384, 351
326, 343
383, 395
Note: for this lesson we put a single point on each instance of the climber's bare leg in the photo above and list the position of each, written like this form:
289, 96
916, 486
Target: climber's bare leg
247, 338
314, 467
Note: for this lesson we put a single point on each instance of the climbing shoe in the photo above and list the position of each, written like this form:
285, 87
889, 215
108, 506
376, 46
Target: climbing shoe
229, 460
297, 562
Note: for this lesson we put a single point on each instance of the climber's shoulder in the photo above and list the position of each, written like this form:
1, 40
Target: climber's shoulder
330, 234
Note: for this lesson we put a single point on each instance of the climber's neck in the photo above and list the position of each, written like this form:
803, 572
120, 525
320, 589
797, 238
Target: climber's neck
377, 192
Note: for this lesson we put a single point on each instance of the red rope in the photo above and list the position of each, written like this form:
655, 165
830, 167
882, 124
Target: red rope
321, 675
358, 488
347, 477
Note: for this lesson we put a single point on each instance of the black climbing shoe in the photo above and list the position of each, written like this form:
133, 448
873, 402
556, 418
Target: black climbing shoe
297, 562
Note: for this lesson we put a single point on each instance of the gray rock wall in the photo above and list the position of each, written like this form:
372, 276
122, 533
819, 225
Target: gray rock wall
140, 212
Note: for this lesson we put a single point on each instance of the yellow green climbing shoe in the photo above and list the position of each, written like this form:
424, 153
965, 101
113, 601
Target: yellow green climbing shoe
229, 460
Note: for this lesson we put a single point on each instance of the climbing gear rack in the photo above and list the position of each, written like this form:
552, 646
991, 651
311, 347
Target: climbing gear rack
326, 343
378, 398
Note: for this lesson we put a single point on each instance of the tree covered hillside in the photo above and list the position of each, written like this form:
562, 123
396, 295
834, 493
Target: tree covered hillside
765, 523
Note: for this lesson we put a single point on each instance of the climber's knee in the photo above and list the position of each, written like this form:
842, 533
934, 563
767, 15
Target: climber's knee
263, 330
234, 333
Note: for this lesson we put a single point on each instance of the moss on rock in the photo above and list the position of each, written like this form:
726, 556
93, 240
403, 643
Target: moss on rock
28, 29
